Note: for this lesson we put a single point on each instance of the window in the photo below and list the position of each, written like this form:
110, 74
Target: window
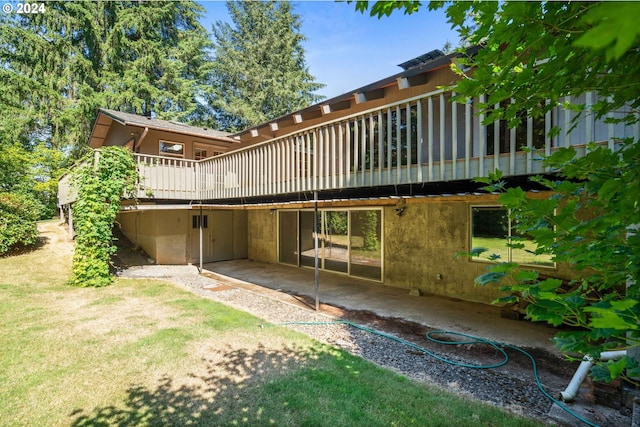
195, 221
171, 149
493, 230
349, 241
199, 153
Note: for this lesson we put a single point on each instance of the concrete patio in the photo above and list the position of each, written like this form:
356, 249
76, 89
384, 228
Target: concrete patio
297, 286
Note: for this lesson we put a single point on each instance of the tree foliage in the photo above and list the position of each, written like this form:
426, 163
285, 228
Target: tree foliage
18, 216
533, 55
105, 176
60, 66
259, 71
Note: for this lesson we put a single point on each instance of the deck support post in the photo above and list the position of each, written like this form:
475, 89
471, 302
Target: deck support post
315, 245
200, 232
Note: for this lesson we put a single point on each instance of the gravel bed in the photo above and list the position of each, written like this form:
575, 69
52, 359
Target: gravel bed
511, 388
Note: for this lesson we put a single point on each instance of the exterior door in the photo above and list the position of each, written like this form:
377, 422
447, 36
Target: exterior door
221, 224
194, 238
217, 236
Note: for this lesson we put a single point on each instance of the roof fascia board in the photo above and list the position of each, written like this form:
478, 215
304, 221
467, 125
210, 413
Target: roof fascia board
434, 65
141, 124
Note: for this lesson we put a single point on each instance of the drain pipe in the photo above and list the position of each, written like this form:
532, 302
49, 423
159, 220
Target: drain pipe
572, 389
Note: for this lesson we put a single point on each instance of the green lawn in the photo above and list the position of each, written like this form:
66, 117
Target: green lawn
145, 352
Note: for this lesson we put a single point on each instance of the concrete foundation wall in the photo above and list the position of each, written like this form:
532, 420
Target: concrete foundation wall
165, 235
171, 236
161, 234
262, 235
420, 249
139, 227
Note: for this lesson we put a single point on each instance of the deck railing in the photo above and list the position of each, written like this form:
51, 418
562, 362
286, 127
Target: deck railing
424, 139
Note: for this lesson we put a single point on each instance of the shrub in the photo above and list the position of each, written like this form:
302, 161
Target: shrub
101, 182
18, 216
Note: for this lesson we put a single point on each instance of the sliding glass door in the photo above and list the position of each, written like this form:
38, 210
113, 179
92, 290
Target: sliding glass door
349, 241
288, 246
335, 242
366, 244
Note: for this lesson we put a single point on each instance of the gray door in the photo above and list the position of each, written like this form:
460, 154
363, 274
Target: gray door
217, 236
221, 225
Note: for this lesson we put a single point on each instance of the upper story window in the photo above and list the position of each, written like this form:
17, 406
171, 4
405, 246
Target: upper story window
199, 153
168, 148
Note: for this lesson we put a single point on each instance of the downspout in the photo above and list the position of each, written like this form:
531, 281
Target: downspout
200, 230
315, 245
581, 373
139, 142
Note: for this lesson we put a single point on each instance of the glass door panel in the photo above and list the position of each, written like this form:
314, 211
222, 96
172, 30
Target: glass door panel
307, 250
288, 237
335, 251
366, 244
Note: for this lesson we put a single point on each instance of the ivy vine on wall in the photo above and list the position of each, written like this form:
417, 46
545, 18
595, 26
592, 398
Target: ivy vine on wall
105, 176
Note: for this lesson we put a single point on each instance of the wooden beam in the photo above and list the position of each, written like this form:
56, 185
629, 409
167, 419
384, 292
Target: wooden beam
361, 97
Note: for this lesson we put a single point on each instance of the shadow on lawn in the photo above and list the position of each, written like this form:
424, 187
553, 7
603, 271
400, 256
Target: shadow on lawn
25, 249
234, 391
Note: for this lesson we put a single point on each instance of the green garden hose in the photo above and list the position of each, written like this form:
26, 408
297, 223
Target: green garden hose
468, 339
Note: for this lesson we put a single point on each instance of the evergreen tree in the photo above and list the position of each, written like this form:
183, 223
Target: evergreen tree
260, 71
59, 66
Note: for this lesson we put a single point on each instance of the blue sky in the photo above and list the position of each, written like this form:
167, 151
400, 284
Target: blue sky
346, 50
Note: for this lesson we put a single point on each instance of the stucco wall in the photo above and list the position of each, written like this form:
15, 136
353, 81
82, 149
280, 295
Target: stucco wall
422, 244
262, 237
240, 235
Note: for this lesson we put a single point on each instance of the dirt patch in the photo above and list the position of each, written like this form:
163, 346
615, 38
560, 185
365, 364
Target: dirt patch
555, 371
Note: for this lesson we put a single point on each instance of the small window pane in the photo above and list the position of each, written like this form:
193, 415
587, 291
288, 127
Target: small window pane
526, 255
195, 221
199, 153
490, 230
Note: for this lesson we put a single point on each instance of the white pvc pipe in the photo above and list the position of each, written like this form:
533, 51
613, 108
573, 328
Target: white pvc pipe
581, 373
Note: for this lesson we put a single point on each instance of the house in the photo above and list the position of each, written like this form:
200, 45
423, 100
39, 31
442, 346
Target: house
387, 170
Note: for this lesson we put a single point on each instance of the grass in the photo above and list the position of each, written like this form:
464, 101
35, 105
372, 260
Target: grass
146, 353
499, 247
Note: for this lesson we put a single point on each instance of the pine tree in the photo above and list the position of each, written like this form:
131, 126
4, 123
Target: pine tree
60, 66
259, 71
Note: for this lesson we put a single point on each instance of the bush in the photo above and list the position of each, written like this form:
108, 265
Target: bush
18, 216
101, 183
